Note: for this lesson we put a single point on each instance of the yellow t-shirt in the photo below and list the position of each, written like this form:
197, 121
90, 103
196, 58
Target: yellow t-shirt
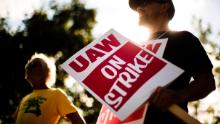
44, 107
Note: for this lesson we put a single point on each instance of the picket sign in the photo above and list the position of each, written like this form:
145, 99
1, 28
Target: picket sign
119, 73
107, 117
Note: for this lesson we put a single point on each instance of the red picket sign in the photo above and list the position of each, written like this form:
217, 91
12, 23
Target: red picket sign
107, 117
119, 73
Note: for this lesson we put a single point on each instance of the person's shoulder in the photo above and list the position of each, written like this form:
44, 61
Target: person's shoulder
185, 36
182, 33
27, 96
49, 90
59, 91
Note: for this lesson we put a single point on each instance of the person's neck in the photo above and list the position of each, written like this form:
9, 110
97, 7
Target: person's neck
40, 87
159, 27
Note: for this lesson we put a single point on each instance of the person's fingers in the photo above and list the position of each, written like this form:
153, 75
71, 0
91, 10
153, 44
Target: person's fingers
154, 97
167, 98
162, 98
161, 101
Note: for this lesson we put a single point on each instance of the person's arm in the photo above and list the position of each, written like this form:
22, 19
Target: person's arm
204, 83
75, 118
199, 66
67, 109
199, 88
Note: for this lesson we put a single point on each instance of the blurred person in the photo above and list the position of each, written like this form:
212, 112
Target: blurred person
44, 105
184, 50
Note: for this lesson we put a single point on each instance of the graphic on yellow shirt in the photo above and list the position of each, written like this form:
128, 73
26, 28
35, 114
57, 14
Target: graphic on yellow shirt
33, 105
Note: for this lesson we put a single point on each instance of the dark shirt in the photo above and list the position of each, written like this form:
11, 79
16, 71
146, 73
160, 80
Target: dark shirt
185, 51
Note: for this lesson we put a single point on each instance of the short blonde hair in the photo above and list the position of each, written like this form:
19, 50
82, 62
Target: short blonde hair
46, 66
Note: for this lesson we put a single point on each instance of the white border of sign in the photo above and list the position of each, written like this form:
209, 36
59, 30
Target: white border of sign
169, 73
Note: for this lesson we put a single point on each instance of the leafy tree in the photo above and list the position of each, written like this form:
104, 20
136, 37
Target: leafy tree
65, 33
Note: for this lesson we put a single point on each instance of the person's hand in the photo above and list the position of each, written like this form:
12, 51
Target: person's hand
163, 98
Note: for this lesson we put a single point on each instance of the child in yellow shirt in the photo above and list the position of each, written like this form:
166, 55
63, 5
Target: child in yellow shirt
45, 105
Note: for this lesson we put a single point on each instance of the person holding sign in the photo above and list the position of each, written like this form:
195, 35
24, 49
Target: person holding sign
182, 49
44, 105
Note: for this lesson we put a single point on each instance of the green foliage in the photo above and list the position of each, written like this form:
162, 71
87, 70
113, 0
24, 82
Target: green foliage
69, 30
204, 33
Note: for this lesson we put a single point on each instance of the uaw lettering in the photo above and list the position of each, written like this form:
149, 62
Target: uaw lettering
81, 62
119, 73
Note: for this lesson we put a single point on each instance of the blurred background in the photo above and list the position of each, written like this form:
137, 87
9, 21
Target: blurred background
59, 28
